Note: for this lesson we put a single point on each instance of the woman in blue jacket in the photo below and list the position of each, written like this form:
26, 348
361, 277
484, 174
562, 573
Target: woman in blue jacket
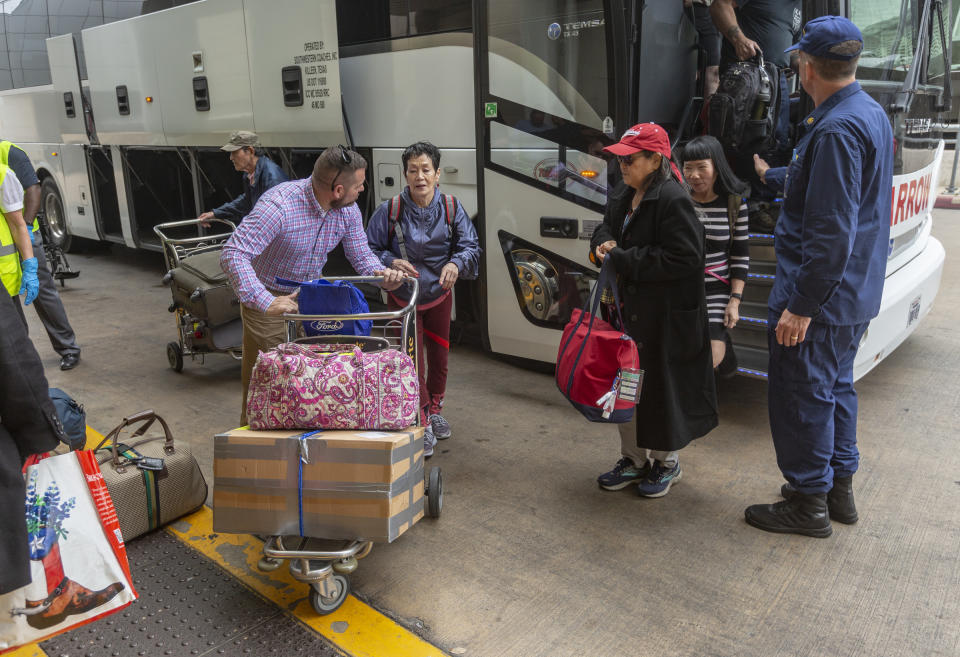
428, 235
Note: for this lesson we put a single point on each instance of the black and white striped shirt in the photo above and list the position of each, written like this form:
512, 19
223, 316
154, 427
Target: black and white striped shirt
725, 258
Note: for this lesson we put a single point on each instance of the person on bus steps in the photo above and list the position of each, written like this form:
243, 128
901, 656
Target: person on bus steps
718, 195
426, 234
260, 173
831, 247
652, 235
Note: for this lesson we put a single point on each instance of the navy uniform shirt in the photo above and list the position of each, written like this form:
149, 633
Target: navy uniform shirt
21, 165
833, 232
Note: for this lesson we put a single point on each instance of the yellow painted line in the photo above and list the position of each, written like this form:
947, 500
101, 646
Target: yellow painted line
356, 628
93, 438
32, 650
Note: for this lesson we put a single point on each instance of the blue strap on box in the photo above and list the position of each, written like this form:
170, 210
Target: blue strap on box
304, 458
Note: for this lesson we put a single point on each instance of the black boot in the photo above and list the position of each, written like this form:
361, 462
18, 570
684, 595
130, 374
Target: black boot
800, 514
839, 500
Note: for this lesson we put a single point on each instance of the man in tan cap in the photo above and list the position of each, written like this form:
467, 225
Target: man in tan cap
260, 174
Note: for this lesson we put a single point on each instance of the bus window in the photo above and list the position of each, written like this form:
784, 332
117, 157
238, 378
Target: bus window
381, 20
582, 174
551, 55
889, 30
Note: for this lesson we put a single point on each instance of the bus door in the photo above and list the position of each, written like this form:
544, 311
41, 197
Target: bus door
557, 80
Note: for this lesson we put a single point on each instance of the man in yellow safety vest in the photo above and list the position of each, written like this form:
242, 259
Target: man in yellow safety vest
18, 266
48, 305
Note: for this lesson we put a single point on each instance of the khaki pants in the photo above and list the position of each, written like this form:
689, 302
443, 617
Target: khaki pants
639, 455
260, 333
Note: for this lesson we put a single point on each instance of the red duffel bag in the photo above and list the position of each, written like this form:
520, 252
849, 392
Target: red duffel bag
597, 365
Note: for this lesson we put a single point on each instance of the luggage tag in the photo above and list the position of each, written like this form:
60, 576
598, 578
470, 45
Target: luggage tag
626, 387
631, 382
150, 463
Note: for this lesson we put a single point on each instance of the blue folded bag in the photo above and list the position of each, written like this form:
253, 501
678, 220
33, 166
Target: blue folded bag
320, 297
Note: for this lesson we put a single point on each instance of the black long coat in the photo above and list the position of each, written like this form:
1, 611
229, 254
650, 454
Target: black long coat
659, 261
28, 425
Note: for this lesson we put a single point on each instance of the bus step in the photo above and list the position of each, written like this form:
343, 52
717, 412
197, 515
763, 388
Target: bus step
751, 361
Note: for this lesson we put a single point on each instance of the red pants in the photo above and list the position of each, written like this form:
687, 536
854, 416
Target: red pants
433, 340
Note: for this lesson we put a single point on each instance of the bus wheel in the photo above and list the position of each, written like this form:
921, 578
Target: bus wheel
52, 205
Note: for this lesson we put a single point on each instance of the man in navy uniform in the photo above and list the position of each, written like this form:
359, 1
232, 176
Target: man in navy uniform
831, 246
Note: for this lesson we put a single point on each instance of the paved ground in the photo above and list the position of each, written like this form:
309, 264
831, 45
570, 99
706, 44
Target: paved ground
531, 559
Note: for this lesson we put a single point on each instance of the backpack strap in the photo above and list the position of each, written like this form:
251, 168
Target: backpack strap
394, 212
450, 210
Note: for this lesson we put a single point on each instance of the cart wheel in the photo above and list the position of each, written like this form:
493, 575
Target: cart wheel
175, 356
345, 566
268, 565
324, 606
435, 493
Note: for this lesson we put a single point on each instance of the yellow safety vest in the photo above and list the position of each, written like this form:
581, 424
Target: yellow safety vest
4, 157
10, 273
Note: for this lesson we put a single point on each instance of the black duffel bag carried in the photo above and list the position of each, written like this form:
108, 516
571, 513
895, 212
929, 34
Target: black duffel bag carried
151, 480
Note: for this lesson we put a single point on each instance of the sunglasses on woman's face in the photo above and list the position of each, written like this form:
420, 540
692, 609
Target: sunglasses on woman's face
625, 159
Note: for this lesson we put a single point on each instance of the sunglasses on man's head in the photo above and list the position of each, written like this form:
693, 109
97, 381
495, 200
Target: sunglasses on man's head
345, 160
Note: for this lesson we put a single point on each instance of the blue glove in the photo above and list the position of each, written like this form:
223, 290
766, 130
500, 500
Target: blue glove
29, 283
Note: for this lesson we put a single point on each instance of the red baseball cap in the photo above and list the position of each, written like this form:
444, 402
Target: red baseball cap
642, 137
645, 137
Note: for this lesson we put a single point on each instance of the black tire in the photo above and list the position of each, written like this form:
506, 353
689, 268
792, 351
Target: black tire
175, 356
324, 606
434, 493
51, 203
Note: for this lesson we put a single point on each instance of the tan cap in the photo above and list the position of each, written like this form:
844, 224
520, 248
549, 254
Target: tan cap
239, 139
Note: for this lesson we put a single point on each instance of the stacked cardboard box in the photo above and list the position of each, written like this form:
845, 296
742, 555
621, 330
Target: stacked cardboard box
324, 484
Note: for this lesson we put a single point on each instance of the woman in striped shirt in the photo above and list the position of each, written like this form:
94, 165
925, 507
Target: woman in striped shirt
718, 195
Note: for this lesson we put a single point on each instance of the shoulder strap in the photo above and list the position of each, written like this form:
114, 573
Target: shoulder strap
394, 211
450, 209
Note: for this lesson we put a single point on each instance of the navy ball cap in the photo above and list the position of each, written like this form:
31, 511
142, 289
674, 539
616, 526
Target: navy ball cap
821, 34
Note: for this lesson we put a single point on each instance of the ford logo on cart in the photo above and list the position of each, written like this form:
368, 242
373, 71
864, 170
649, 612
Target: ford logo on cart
326, 325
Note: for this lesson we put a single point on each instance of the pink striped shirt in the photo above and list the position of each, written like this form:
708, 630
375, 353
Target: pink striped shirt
288, 235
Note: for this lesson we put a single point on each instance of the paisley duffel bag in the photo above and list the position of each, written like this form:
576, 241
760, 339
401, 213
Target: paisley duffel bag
323, 386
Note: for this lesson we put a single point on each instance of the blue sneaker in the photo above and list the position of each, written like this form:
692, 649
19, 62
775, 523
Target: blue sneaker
429, 442
623, 474
441, 428
659, 480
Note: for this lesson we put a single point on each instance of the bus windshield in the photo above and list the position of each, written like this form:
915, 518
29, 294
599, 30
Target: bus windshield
563, 46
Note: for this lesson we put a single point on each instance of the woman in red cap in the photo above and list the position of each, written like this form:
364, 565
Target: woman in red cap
655, 243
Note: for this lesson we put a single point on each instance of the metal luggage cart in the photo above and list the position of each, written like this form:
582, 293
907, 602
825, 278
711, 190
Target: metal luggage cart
326, 564
196, 335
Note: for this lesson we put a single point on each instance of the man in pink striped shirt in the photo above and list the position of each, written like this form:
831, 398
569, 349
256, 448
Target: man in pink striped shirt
288, 235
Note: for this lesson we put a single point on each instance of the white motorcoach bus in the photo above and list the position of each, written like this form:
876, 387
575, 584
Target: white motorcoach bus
520, 96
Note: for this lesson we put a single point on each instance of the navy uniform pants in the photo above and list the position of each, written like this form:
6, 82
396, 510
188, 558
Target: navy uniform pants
813, 406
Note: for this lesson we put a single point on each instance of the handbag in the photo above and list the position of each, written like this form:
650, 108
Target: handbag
324, 386
322, 297
598, 365
151, 480
78, 561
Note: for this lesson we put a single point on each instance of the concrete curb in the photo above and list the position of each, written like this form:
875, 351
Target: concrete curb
948, 202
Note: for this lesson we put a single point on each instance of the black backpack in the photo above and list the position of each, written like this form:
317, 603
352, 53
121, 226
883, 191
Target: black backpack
742, 114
